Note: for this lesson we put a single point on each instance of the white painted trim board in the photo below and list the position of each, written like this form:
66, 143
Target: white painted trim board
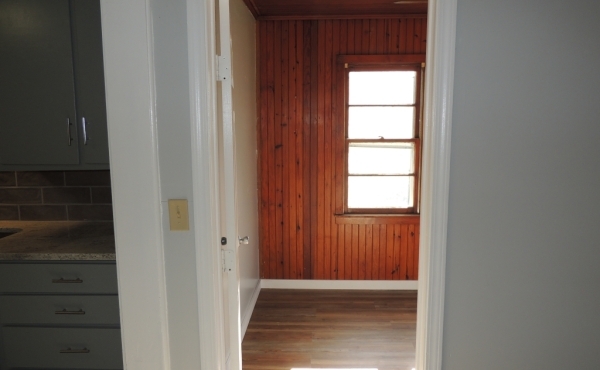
339, 284
439, 77
249, 309
201, 35
129, 72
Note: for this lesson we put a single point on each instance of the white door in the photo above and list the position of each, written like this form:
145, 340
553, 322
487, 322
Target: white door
229, 224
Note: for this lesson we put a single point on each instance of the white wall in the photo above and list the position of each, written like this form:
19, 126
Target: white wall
523, 258
243, 34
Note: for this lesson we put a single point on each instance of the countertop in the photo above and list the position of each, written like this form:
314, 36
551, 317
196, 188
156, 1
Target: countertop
58, 241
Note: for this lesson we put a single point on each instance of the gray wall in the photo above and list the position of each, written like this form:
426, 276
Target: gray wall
523, 267
175, 159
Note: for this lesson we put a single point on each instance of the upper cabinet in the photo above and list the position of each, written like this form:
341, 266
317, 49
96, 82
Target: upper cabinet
52, 102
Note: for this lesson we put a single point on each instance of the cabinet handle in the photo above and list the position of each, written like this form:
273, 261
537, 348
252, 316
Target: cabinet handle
65, 312
71, 350
84, 125
67, 281
69, 130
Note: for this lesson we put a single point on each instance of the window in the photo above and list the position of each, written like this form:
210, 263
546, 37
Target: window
382, 136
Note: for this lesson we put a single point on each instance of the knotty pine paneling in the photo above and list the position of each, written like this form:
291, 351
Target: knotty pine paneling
298, 156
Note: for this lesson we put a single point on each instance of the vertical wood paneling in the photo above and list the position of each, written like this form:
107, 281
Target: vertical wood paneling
306, 153
328, 140
410, 268
348, 252
403, 260
285, 188
291, 151
355, 256
300, 157
360, 260
368, 261
277, 96
263, 152
299, 160
382, 251
270, 147
319, 261
389, 253
314, 147
375, 254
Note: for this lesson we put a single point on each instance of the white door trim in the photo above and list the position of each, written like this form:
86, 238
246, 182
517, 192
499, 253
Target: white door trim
441, 35
129, 72
205, 176
228, 192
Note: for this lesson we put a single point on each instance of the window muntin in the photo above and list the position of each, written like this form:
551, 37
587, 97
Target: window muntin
382, 139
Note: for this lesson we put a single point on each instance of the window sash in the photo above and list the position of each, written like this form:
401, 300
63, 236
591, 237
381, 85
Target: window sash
415, 174
348, 63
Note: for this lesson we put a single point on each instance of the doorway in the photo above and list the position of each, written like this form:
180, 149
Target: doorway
128, 50
291, 36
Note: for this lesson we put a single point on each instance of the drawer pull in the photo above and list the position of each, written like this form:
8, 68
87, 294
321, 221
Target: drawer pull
65, 312
67, 281
70, 350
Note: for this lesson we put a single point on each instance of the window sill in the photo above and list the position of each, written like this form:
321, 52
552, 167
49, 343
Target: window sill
371, 219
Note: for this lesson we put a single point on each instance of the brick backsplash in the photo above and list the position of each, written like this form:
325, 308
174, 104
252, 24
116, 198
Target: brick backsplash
55, 195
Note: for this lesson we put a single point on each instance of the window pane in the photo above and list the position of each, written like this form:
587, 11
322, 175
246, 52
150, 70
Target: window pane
377, 122
381, 158
381, 87
380, 192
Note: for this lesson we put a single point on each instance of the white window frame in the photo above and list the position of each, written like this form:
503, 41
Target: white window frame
357, 63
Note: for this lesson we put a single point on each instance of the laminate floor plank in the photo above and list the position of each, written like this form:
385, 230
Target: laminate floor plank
332, 329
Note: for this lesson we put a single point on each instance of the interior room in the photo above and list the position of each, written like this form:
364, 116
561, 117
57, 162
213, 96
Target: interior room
309, 232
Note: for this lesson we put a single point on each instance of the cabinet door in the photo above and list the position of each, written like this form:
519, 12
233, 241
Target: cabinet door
89, 81
37, 99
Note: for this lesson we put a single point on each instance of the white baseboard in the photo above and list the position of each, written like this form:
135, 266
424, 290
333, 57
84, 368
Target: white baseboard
247, 314
340, 284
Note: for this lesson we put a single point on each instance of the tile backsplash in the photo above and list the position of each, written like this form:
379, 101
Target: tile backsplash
55, 195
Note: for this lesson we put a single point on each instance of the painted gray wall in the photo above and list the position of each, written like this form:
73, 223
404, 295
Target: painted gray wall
175, 159
523, 258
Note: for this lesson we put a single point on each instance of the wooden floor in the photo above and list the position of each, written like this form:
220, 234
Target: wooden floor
333, 329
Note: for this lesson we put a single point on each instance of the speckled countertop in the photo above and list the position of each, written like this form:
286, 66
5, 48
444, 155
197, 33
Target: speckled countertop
58, 241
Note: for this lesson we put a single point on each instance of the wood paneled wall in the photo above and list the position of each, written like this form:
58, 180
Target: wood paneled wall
300, 236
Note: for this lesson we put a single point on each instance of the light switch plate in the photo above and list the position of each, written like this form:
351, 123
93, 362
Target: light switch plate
179, 218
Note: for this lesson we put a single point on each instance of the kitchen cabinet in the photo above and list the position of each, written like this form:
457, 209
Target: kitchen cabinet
52, 98
59, 314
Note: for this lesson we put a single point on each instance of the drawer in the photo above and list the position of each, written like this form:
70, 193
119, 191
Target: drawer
63, 348
59, 310
76, 278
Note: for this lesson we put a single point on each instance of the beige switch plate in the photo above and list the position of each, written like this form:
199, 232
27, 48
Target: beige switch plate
179, 218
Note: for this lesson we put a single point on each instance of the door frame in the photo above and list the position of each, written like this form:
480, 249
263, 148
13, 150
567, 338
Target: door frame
439, 89
131, 97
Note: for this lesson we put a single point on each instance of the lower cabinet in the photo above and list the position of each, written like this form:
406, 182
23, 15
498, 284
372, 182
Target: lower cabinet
59, 316
63, 348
